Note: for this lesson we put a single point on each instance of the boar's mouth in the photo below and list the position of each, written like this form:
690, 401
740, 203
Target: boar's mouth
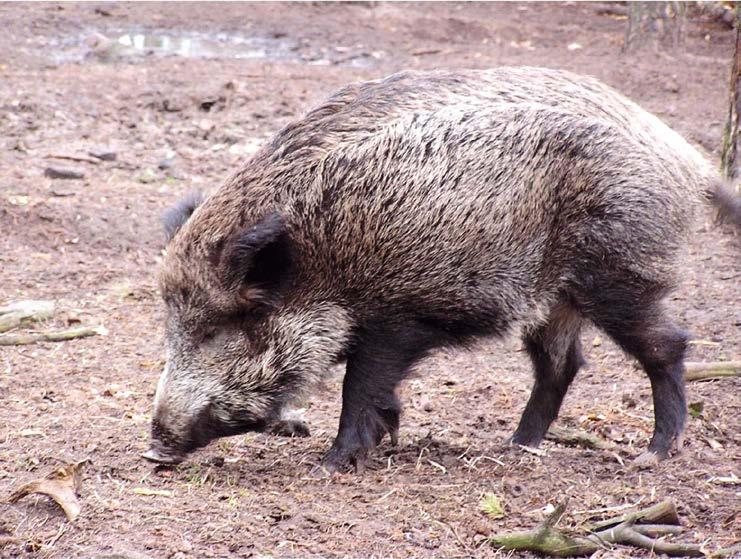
167, 448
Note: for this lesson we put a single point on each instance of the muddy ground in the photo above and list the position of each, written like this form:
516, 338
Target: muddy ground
184, 121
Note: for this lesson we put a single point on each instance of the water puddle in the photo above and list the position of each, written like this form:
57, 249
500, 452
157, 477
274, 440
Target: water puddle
137, 46
196, 45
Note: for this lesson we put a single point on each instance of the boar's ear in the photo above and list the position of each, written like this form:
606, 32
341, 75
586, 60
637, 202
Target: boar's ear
175, 217
258, 257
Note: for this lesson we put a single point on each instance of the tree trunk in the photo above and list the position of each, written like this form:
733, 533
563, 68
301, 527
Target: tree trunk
658, 24
731, 130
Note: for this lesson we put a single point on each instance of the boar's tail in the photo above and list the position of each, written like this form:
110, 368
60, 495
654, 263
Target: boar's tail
727, 201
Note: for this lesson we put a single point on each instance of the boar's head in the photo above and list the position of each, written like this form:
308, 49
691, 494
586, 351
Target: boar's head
239, 345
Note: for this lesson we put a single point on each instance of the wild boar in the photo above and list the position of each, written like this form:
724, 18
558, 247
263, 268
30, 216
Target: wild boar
423, 210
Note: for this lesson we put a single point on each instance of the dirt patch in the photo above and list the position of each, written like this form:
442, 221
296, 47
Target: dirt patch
175, 123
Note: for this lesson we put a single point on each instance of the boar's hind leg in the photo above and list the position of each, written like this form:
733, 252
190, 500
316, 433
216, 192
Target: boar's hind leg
380, 359
640, 326
555, 351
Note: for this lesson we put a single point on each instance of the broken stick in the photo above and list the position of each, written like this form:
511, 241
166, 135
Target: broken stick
661, 513
711, 369
624, 530
60, 336
21, 312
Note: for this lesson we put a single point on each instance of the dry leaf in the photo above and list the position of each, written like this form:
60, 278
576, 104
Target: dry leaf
62, 485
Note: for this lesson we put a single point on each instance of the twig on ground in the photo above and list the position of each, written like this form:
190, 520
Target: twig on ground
60, 336
73, 157
17, 313
661, 513
620, 530
711, 369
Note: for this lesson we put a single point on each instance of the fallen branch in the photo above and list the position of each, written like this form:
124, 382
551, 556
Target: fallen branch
661, 513
73, 157
60, 336
711, 369
621, 530
16, 313
577, 438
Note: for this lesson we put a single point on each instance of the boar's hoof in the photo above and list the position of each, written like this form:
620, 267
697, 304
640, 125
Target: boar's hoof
658, 452
289, 428
649, 459
517, 442
162, 457
341, 461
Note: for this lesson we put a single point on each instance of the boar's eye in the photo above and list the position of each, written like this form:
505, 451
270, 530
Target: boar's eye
209, 334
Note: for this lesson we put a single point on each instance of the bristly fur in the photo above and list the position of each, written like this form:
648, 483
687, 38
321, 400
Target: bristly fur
429, 209
728, 203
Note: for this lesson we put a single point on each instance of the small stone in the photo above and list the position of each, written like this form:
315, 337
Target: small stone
165, 163
148, 176
62, 193
205, 124
628, 401
103, 153
597, 341
671, 86
63, 173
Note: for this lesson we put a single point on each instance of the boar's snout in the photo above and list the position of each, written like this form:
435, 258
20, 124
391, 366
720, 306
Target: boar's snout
168, 448
161, 455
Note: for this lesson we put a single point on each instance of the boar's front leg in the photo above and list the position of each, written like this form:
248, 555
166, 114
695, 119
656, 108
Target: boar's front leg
380, 359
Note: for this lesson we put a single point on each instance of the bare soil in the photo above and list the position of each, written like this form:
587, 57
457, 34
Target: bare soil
178, 123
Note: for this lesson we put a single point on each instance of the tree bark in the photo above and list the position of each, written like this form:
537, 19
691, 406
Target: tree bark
655, 24
731, 131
